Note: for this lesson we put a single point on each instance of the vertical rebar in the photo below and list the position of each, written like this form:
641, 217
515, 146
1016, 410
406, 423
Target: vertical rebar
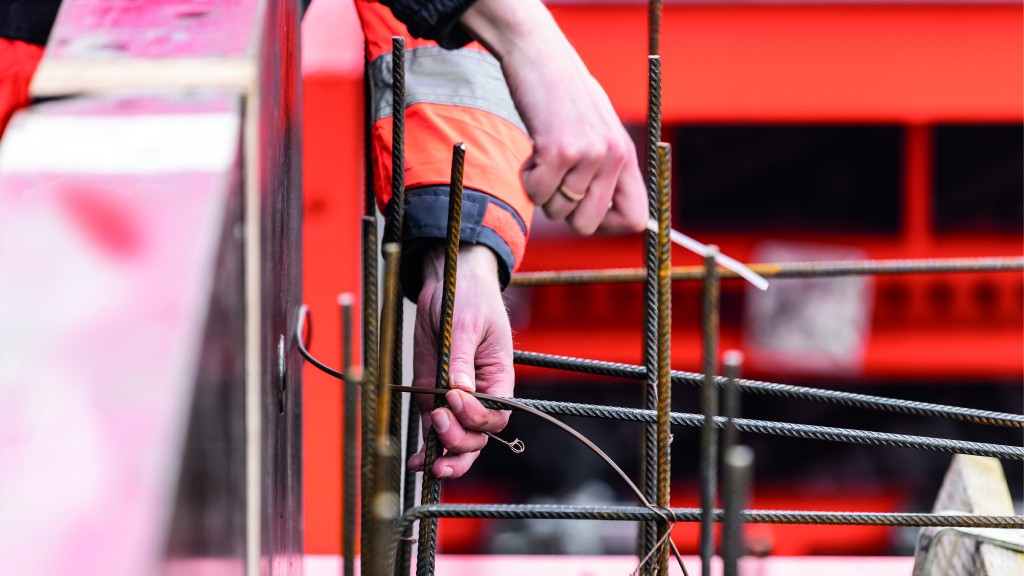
654, 27
431, 484
738, 464
385, 499
349, 434
709, 407
664, 341
732, 363
369, 396
733, 487
412, 437
396, 227
649, 530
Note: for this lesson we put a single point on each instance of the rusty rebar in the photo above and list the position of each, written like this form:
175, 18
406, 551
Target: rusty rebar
654, 27
369, 396
709, 408
780, 270
403, 562
648, 536
431, 493
349, 434
664, 152
385, 497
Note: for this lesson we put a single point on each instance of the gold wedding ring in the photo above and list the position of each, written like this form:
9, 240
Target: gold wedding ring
569, 194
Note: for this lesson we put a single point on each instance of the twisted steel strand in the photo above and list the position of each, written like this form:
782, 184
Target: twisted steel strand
792, 430
635, 513
848, 399
787, 429
781, 270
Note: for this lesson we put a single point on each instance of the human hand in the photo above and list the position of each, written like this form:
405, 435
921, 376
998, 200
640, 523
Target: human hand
584, 167
481, 358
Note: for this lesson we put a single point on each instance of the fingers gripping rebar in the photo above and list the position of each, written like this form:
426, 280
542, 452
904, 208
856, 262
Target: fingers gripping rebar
432, 484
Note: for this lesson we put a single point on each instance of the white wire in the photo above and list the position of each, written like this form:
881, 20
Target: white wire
701, 250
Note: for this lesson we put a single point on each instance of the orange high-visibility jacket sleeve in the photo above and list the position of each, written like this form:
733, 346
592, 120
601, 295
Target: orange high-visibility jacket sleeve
451, 96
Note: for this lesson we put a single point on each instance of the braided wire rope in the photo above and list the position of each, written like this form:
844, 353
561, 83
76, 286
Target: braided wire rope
848, 399
635, 513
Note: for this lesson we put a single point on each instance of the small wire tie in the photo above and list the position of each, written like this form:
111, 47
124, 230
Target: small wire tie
517, 446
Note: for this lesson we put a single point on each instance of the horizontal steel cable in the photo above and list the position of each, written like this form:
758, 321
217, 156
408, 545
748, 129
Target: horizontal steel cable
849, 399
746, 425
633, 372
638, 513
787, 429
780, 270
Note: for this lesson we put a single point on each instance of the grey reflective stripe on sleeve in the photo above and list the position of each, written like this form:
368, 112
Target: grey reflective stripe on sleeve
463, 77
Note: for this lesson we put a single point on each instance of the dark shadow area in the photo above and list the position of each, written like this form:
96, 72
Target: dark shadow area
979, 179
787, 178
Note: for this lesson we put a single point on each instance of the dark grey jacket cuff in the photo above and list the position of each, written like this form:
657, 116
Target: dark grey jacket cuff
426, 224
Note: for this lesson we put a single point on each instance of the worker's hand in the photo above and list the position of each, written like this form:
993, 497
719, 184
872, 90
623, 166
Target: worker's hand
579, 144
481, 357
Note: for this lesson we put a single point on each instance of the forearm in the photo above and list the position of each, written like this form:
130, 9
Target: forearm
505, 26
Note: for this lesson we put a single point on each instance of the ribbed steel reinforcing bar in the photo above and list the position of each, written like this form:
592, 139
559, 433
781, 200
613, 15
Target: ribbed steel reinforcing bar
640, 513
781, 270
654, 27
431, 493
664, 341
709, 407
649, 531
850, 399
396, 224
349, 436
369, 392
385, 499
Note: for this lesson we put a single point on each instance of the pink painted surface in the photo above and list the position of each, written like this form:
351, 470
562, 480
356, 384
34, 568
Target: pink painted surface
102, 298
623, 565
110, 29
